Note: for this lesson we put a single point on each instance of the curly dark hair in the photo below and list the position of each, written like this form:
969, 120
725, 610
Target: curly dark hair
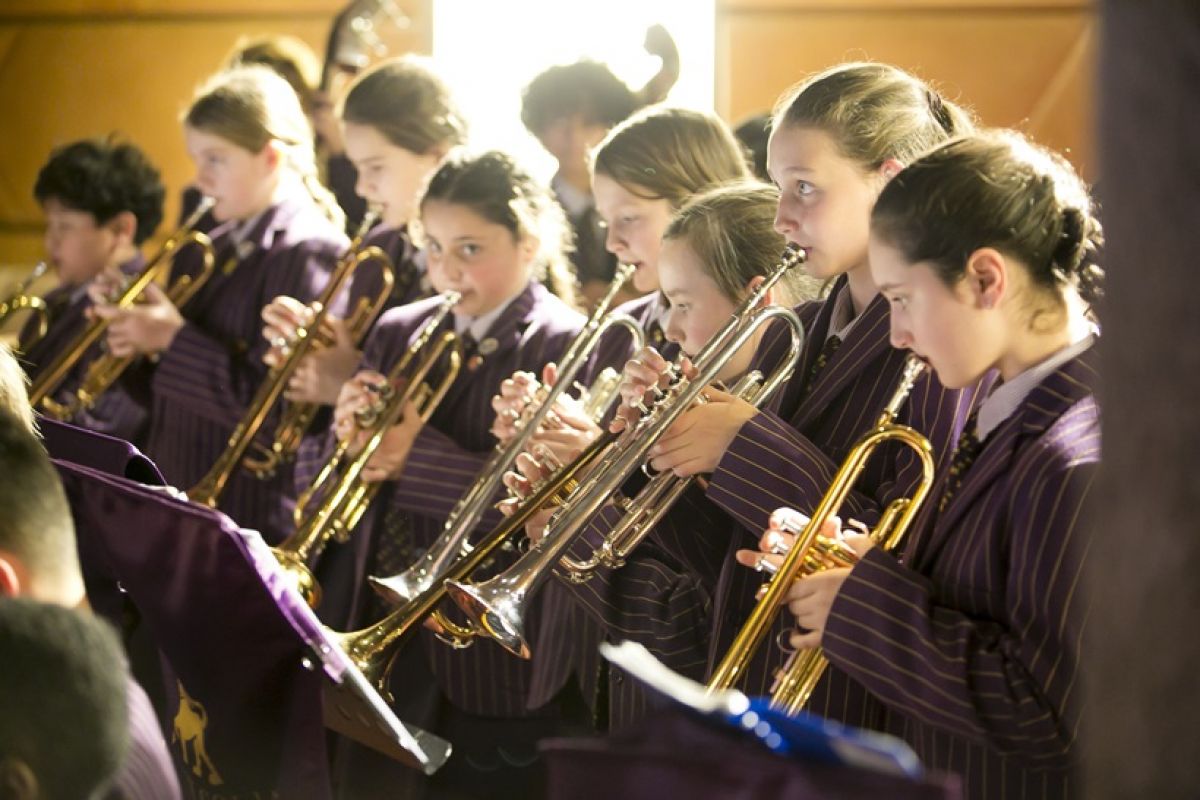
585, 87
104, 177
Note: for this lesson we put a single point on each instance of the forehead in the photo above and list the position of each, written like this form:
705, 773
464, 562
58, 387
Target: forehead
794, 150
443, 220
680, 269
611, 194
363, 141
199, 141
55, 208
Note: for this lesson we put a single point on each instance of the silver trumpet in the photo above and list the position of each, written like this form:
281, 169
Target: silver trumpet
497, 606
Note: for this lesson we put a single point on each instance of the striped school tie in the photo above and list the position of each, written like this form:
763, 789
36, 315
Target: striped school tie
965, 452
827, 350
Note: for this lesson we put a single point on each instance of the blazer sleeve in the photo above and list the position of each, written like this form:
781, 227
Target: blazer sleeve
213, 378
1010, 683
650, 599
771, 464
437, 474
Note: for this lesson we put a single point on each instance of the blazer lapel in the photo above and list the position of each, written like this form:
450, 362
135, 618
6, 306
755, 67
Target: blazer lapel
866, 341
1045, 403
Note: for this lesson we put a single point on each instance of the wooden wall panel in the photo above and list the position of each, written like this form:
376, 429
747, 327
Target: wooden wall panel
1026, 65
129, 66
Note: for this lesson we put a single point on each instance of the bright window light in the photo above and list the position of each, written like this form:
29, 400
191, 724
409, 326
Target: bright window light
488, 51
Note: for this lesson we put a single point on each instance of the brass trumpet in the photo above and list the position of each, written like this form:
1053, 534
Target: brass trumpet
296, 416
372, 649
812, 552
452, 543
103, 372
497, 606
20, 300
340, 496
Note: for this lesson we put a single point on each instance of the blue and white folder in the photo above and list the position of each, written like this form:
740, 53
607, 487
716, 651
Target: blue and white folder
803, 736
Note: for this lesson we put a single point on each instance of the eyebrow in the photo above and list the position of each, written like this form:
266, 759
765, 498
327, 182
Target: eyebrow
887, 287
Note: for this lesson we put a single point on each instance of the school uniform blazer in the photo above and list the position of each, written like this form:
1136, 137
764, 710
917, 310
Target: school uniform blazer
570, 635
116, 412
973, 643
204, 381
446, 459
787, 457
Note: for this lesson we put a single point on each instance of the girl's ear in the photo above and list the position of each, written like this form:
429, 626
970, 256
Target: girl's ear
986, 277
754, 283
272, 155
890, 168
528, 247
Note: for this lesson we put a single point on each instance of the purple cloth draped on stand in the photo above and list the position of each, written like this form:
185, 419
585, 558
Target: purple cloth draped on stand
99, 451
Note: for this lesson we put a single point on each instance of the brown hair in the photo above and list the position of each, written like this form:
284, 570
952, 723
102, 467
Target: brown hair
408, 104
289, 57
873, 112
493, 186
994, 189
251, 106
731, 229
670, 154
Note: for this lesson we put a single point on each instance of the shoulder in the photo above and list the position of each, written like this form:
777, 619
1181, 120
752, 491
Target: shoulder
552, 314
407, 316
302, 227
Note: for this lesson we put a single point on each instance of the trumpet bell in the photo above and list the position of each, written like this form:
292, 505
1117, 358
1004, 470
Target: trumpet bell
398, 589
495, 608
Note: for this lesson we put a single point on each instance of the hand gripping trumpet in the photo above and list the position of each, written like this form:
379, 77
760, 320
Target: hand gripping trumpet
296, 416
337, 498
453, 543
497, 606
20, 300
812, 552
103, 372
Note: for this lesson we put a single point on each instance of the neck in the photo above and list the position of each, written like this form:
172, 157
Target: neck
739, 364
1034, 347
577, 178
862, 288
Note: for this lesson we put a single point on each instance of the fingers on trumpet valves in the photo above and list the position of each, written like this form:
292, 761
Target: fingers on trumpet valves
788, 520
764, 563
546, 458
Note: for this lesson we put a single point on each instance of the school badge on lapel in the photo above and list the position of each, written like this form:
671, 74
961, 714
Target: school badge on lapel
484, 348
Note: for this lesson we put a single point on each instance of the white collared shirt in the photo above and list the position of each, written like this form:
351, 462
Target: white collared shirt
479, 326
1004, 399
842, 319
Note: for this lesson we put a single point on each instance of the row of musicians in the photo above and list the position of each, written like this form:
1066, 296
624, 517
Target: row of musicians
970, 248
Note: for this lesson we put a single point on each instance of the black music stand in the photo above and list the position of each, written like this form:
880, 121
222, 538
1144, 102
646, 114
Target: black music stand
249, 704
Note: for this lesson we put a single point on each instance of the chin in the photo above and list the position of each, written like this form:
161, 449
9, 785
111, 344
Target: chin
643, 281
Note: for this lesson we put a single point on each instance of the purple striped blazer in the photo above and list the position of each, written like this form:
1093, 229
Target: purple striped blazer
570, 633
446, 458
117, 412
787, 457
973, 643
205, 379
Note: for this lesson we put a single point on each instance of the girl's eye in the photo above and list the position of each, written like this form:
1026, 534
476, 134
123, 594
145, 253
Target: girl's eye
900, 302
469, 250
804, 188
